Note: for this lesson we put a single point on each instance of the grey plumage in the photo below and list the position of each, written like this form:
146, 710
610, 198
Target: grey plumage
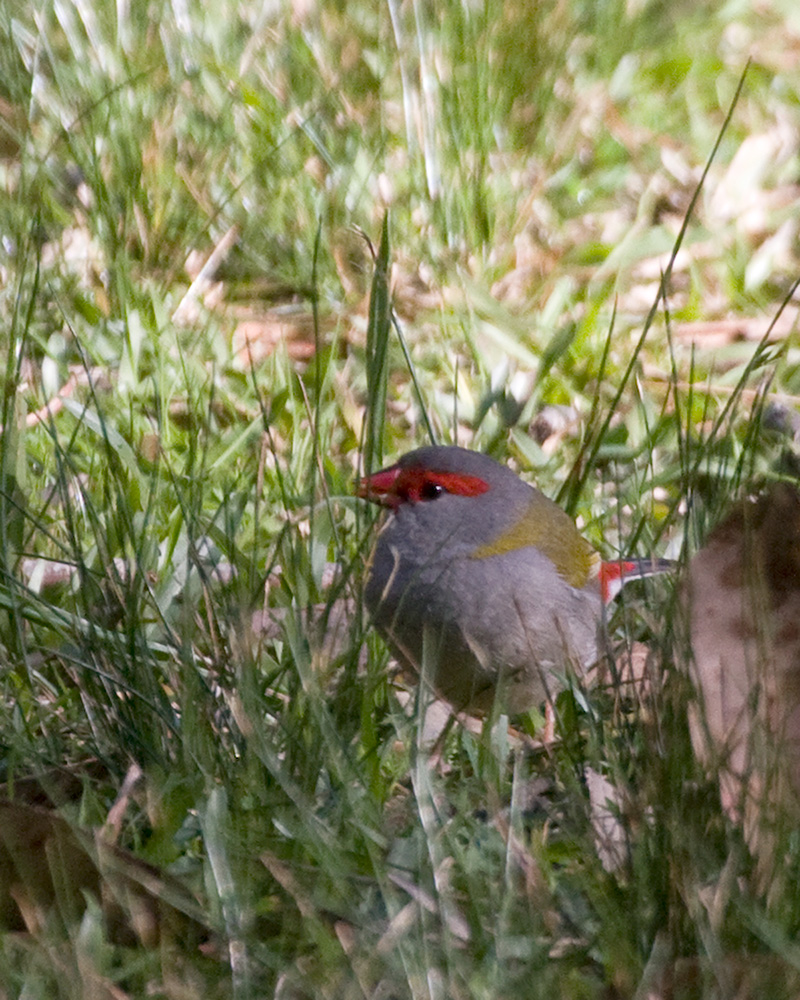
473, 616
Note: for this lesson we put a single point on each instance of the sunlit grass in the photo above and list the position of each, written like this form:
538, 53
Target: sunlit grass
180, 545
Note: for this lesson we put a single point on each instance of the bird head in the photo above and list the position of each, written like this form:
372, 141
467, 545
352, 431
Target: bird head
471, 504
428, 474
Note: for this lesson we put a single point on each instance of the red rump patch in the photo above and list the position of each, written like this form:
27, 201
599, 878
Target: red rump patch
612, 576
397, 485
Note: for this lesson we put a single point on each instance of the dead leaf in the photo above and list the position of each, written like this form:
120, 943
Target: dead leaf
711, 334
47, 866
742, 602
259, 336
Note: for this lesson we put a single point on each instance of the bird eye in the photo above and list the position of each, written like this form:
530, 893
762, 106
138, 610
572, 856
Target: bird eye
430, 491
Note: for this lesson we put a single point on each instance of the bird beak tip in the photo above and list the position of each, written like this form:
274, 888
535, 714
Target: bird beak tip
379, 487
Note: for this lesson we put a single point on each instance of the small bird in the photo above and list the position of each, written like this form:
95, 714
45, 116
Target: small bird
480, 584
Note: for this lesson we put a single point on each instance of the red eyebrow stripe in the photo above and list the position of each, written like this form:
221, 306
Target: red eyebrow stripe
397, 485
457, 482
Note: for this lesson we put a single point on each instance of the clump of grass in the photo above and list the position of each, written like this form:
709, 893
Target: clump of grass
181, 550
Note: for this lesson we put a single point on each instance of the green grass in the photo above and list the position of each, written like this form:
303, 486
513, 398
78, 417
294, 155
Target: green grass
534, 170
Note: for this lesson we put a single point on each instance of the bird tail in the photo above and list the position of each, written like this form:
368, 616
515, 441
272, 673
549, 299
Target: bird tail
614, 575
